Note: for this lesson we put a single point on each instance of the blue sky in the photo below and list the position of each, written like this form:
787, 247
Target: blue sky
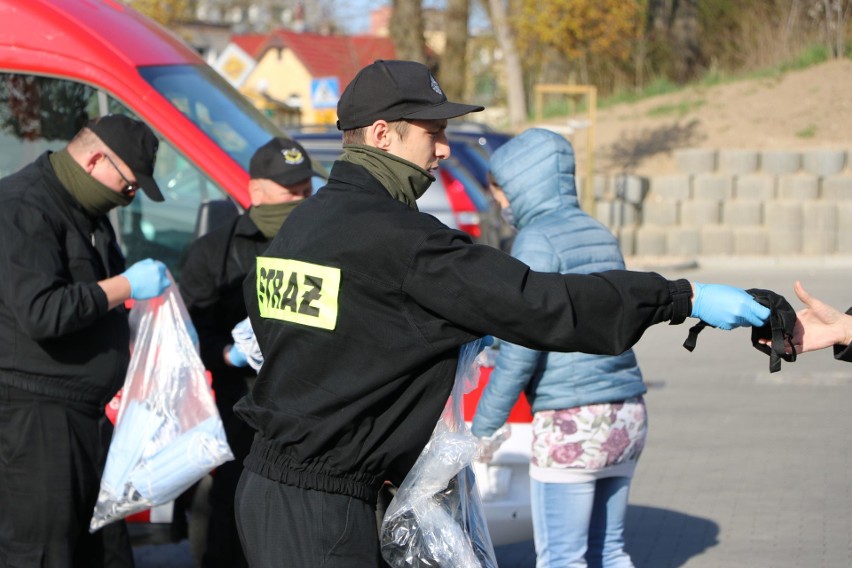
355, 14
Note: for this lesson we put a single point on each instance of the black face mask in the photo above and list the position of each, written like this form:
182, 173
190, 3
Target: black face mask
778, 329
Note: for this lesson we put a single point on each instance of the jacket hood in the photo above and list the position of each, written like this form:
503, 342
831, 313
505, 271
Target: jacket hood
535, 169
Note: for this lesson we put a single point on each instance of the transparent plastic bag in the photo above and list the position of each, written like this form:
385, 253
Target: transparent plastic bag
436, 518
168, 433
246, 342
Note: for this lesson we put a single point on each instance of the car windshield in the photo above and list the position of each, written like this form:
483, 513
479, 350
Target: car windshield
216, 108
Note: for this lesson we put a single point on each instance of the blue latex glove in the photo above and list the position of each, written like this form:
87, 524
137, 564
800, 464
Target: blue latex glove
727, 307
147, 279
193, 335
237, 357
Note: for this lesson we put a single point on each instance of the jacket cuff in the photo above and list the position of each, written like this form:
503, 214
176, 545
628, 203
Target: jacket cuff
844, 352
681, 293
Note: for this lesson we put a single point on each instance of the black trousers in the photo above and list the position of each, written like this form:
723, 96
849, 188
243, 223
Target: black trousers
284, 526
52, 454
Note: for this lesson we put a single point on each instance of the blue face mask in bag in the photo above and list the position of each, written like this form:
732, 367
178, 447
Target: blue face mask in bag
182, 462
139, 423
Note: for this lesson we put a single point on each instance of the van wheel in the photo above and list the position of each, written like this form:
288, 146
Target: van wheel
199, 519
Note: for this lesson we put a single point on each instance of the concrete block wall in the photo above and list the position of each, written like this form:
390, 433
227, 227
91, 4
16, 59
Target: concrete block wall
734, 202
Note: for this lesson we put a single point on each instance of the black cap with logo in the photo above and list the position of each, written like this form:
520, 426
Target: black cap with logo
135, 143
282, 160
395, 90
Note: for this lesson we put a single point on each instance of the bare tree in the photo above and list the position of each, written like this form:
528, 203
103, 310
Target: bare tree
836, 15
677, 22
406, 30
684, 31
453, 70
516, 98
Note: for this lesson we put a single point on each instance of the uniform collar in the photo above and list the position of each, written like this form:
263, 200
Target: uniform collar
246, 227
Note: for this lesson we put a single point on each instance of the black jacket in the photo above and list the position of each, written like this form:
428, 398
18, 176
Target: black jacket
343, 409
57, 336
212, 289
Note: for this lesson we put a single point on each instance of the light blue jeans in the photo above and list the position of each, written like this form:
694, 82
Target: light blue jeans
580, 525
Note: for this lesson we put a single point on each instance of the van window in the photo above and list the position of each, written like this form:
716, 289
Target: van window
43, 113
165, 230
217, 109
39, 114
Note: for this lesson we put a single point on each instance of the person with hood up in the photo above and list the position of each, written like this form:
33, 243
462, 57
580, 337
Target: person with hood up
589, 422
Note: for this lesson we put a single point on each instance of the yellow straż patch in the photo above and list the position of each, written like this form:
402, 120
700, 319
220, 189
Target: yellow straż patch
297, 292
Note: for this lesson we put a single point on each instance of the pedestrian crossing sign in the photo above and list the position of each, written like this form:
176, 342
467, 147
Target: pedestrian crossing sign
325, 91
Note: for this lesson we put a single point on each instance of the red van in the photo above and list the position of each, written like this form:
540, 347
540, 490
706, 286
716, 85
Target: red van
63, 62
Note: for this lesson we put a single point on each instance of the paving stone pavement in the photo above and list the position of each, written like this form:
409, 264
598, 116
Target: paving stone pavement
743, 468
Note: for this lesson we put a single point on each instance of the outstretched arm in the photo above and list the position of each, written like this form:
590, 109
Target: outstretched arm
819, 325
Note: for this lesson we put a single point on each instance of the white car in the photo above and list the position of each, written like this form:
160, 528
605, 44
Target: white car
504, 482
504, 487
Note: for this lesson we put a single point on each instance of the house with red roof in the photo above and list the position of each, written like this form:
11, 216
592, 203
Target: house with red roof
251, 44
304, 72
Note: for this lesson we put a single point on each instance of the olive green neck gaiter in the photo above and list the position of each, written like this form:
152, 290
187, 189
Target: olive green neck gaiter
96, 198
269, 218
405, 181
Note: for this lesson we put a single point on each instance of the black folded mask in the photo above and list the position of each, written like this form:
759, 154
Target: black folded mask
778, 329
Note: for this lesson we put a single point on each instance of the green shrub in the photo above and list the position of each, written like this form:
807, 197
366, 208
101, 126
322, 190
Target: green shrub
807, 132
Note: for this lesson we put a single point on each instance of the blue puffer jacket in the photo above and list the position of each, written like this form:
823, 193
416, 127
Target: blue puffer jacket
536, 171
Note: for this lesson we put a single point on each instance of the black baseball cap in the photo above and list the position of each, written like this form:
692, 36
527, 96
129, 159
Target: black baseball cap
282, 160
135, 143
395, 90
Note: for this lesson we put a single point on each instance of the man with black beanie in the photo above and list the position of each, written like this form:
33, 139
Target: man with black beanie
360, 305
211, 286
64, 340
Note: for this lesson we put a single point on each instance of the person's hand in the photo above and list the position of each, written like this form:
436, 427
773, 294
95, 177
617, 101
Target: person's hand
819, 325
235, 357
147, 278
488, 445
726, 307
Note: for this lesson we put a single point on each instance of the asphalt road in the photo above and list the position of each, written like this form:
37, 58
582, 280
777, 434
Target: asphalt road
743, 468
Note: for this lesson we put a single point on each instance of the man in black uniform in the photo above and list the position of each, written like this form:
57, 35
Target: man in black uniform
211, 286
360, 305
64, 340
